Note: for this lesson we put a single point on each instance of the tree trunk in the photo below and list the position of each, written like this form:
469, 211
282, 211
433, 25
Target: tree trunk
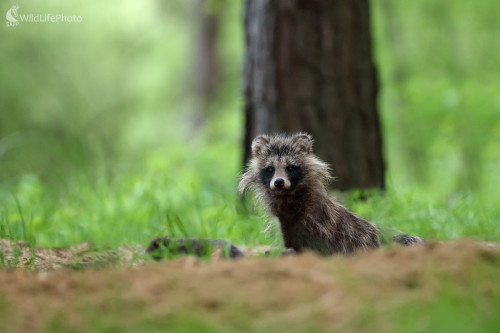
206, 65
309, 67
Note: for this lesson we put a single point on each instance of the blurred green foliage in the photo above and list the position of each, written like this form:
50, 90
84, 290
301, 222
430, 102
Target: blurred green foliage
438, 63
98, 138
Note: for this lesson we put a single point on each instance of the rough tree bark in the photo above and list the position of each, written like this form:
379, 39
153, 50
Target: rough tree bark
309, 67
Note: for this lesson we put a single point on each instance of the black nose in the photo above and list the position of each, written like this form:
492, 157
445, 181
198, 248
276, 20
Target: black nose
279, 183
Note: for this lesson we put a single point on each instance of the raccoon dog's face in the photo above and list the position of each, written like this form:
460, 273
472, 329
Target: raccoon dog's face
281, 161
282, 164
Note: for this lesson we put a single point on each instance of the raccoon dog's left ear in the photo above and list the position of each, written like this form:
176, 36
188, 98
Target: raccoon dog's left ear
259, 144
303, 143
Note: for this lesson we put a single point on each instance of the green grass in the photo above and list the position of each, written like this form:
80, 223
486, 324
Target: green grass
459, 215
173, 193
182, 195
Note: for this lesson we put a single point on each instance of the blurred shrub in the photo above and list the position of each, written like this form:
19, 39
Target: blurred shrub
78, 97
440, 100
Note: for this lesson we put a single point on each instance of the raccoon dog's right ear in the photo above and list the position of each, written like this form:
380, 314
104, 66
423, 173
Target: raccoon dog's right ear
259, 144
303, 143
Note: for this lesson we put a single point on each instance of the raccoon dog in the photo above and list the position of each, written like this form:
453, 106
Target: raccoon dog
290, 180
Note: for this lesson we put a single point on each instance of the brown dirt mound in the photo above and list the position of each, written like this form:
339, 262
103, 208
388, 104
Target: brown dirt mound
293, 293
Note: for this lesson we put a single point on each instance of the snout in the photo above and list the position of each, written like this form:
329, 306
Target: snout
280, 183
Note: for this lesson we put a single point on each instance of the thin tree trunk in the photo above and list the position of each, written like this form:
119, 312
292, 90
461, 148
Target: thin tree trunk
206, 69
309, 67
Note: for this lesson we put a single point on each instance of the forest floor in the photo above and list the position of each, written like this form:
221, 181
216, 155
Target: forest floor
448, 286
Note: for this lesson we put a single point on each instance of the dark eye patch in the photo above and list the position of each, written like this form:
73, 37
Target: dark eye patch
269, 170
294, 172
266, 174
